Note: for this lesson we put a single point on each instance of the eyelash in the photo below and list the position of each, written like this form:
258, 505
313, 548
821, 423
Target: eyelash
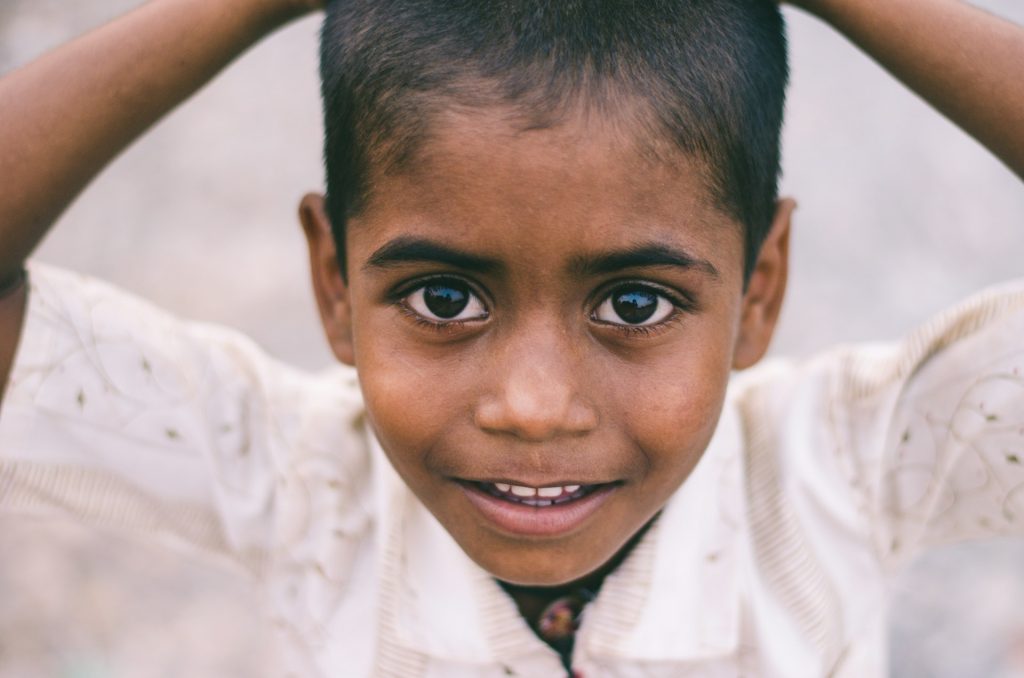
446, 327
644, 331
681, 306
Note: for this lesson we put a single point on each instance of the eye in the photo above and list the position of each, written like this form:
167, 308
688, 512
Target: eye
445, 300
635, 305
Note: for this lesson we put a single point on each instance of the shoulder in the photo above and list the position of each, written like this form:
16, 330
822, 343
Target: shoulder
170, 413
880, 436
92, 355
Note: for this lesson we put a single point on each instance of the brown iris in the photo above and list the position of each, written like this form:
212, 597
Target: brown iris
446, 299
635, 305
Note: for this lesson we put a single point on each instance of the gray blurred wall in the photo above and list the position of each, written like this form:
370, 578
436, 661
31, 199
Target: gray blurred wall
900, 215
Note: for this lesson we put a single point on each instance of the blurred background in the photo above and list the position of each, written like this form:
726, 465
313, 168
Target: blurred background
900, 216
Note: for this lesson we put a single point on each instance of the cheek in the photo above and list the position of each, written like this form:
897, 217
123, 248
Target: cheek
673, 404
395, 390
412, 398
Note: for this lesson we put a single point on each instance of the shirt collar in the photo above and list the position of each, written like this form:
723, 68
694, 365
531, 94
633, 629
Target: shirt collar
675, 598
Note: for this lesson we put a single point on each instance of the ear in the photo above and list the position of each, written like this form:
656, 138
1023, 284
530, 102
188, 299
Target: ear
330, 288
762, 300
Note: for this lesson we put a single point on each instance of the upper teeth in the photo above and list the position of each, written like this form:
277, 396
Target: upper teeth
524, 491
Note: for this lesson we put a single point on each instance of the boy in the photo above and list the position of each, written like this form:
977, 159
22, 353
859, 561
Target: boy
550, 233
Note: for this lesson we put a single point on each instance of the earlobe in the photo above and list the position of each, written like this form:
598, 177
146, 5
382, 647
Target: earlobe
329, 286
765, 291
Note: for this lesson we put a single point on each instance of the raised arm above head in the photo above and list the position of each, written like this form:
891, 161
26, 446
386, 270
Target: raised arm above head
68, 114
966, 62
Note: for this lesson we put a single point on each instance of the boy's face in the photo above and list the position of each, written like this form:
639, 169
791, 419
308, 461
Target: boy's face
540, 310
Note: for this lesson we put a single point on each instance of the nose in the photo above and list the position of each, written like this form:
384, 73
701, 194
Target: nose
536, 393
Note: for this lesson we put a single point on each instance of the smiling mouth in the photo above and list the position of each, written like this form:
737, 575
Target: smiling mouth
538, 497
537, 512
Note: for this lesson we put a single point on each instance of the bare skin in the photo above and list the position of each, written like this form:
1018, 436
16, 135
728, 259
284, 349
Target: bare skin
538, 386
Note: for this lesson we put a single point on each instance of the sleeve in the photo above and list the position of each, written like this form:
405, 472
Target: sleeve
120, 415
920, 443
948, 464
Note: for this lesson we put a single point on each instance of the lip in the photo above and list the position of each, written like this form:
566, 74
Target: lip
521, 520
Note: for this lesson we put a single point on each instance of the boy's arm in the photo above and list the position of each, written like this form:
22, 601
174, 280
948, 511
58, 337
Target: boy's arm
66, 115
967, 63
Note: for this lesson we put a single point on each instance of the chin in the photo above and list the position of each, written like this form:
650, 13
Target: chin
526, 564
547, 575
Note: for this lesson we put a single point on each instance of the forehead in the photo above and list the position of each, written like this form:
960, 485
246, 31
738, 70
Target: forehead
586, 184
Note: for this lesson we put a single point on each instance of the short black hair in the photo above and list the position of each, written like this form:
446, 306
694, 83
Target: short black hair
710, 74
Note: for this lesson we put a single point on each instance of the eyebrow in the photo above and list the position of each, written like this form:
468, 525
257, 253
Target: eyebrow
644, 256
410, 249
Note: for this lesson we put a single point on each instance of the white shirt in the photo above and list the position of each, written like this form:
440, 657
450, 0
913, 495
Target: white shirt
823, 479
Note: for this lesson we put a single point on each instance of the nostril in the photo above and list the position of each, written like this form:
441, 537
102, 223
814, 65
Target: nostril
582, 418
489, 416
